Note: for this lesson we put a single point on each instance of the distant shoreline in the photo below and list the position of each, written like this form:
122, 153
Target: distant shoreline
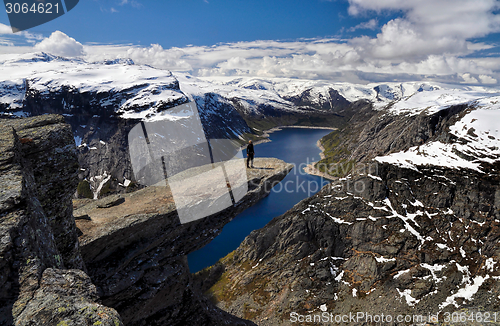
309, 169
265, 133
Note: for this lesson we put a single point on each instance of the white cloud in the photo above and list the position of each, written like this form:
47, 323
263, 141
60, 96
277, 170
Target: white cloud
60, 44
427, 26
469, 79
371, 24
4, 29
399, 39
330, 59
133, 3
156, 56
485, 79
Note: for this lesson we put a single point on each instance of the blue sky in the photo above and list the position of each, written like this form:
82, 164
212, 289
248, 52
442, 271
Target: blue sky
354, 40
180, 23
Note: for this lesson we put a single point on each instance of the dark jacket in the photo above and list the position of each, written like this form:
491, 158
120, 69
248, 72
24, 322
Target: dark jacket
250, 149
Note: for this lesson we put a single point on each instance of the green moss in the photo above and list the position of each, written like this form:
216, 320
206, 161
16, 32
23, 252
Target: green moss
58, 259
105, 189
220, 292
97, 323
336, 169
61, 310
84, 190
228, 259
336, 161
225, 290
63, 323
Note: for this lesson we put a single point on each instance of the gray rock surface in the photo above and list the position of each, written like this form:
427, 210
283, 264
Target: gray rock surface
67, 297
397, 241
46, 146
37, 229
135, 252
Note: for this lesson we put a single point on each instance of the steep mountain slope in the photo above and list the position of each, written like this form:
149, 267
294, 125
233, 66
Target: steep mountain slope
413, 229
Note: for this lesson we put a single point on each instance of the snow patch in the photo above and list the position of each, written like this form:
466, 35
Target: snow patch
479, 141
489, 264
466, 292
382, 259
411, 301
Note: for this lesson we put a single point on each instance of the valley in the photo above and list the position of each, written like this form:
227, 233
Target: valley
408, 222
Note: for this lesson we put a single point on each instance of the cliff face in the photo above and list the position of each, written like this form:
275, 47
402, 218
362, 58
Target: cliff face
414, 232
39, 246
135, 251
133, 246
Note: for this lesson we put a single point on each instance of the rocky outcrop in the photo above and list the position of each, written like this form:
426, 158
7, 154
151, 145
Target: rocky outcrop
37, 228
388, 239
67, 297
331, 101
136, 250
133, 246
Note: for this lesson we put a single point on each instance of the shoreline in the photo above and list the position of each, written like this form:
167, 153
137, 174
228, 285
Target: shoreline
265, 133
309, 169
278, 128
322, 149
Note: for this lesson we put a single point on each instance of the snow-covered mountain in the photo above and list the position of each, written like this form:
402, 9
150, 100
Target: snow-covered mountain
131, 91
473, 139
141, 92
411, 228
104, 100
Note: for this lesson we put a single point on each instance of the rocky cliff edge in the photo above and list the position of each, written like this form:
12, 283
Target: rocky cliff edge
131, 254
42, 278
135, 249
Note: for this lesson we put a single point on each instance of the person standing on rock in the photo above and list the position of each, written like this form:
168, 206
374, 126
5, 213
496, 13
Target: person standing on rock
250, 153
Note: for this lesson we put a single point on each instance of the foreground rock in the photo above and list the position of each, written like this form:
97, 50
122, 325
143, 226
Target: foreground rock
67, 297
135, 251
38, 240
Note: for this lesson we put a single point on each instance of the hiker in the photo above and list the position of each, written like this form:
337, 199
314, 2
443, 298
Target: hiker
250, 153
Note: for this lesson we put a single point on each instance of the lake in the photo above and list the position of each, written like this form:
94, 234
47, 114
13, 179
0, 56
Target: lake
292, 145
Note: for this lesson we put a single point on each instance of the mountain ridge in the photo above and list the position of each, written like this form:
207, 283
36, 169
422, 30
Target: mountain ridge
404, 230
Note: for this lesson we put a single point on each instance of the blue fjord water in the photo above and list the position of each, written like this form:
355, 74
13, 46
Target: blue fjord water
292, 145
